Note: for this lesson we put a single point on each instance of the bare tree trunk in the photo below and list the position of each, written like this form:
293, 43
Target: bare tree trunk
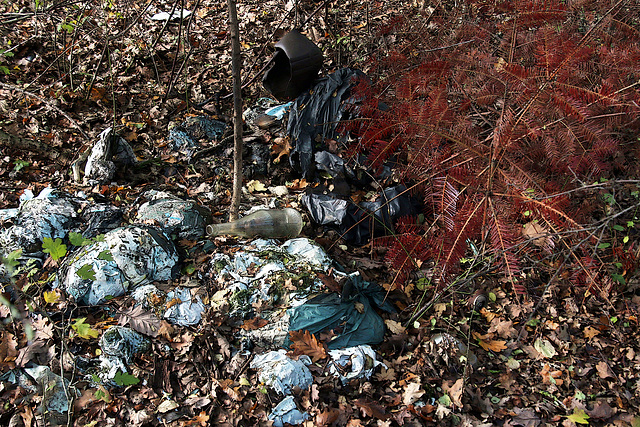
237, 110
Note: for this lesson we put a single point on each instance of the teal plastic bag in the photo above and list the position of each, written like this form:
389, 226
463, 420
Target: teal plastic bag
332, 311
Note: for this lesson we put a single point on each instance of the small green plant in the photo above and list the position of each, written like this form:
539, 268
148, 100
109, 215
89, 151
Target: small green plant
84, 330
86, 272
55, 248
609, 199
8, 54
11, 261
68, 27
125, 379
105, 255
18, 165
77, 239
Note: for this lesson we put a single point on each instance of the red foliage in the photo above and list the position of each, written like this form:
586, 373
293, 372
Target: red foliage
497, 109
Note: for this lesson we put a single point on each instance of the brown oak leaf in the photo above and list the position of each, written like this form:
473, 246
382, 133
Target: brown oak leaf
281, 147
604, 371
371, 409
455, 392
303, 342
488, 344
255, 323
590, 332
327, 417
504, 328
8, 351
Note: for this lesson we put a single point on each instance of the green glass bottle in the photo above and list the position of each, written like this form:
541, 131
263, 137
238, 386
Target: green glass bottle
267, 223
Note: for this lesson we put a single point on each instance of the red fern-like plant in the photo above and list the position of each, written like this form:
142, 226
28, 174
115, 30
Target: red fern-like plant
498, 110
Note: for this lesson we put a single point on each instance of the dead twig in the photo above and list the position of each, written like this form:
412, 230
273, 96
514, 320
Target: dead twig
237, 110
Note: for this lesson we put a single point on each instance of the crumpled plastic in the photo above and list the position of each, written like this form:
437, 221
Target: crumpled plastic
127, 257
262, 262
101, 218
332, 164
326, 208
180, 306
119, 344
185, 136
52, 213
451, 350
177, 14
278, 371
287, 412
100, 166
184, 218
123, 343
265, 113
279, 111
316, 114
50, 385
188, 311
353, 362
271, 335
357, 222
329, 311
306, 250
258, 159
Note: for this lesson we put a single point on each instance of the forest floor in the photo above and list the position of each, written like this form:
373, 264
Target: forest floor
70, 70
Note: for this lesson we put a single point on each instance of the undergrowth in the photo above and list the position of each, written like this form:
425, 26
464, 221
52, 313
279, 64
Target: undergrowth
501, 116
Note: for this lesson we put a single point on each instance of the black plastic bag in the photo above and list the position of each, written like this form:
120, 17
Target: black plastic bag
316, 114
358, 324
359, 223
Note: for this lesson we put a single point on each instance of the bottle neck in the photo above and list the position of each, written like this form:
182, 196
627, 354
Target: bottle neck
222, 229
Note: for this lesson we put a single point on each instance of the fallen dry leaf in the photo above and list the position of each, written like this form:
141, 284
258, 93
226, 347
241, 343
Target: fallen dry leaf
489, 344
140, 320
494, 345
394, 327
601, 411
202, 419
8, 351
604, 371
455, 392
504, 328
590, 332
281, 147
386, 375
545, 348
255, 186
412, 393
303, 342
255, 323
551, 377
487, 314
371, 409
439, 308
327, 417
298, 184
538, 234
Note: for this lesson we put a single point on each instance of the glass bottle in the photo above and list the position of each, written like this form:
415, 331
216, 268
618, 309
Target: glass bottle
267, 223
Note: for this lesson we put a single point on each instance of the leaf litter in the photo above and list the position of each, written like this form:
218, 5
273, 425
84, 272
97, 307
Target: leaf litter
558, 365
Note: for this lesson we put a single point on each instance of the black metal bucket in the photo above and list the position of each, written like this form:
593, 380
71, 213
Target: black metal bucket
295, 66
